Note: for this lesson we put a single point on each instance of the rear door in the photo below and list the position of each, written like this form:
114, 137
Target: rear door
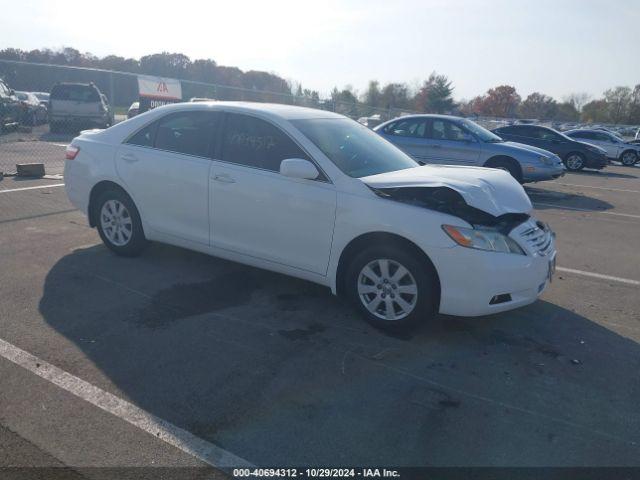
450, 144
165, 167
409, 135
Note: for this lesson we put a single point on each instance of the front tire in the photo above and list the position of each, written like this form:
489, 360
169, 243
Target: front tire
629, 158
508, 165
574, 162
391, 288
119, 224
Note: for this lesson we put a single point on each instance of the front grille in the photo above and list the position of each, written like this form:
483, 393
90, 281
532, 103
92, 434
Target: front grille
539, 237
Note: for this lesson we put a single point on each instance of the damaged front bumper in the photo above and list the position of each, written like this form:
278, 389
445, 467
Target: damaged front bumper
475, 282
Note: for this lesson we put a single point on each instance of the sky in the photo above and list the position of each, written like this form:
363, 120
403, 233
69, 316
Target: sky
555, 47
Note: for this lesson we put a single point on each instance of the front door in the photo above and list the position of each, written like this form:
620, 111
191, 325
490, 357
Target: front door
451, 145
256, 211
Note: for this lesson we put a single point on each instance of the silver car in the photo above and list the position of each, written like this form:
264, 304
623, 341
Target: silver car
457, 141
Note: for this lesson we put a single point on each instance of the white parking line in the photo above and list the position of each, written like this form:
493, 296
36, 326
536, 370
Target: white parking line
32, 188
628, 281
599, 188
145, 421
562, 207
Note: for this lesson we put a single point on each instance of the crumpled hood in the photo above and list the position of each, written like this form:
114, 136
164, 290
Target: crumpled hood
488, 189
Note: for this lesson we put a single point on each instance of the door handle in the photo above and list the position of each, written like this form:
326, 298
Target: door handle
435, 146
129, 158
223, 179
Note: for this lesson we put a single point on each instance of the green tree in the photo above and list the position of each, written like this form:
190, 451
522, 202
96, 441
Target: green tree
540, 106
618, 102
373, 96
435, 95
595, 111
567, 112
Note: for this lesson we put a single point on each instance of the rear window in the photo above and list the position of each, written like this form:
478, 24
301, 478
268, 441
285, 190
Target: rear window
76, 93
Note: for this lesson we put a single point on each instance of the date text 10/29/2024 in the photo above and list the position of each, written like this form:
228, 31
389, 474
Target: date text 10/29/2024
315, 473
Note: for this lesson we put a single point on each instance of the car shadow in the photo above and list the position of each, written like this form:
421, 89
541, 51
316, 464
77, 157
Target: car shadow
544, 199
605, 173
58, 137
280, 372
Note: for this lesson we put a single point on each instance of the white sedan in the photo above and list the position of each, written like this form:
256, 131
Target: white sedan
314, 195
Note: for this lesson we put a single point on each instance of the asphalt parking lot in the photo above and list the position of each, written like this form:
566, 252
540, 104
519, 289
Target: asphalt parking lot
179, 359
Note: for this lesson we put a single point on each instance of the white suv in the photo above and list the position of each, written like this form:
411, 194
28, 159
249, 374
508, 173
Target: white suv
317, 196
77, 106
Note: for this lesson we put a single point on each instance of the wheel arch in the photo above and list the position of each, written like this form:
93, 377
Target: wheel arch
96, 191
573, 152
492, 160
632, 150
364, 240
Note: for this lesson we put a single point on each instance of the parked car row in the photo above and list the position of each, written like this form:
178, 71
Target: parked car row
444, 139
69, 106
315, 195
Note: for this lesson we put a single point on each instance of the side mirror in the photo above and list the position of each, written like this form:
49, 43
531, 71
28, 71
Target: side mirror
298, 168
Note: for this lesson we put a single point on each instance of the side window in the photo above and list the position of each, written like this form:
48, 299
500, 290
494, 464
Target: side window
414, 127
437, 130
446, 130
144, 137
603, 137
454, 132
256, 143
190, 133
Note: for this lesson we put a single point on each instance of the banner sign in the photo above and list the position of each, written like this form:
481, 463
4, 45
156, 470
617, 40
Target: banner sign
157, 91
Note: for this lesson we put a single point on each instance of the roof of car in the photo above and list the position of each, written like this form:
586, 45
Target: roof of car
287, 112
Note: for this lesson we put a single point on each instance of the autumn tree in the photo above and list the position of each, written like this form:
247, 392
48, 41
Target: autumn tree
501, 101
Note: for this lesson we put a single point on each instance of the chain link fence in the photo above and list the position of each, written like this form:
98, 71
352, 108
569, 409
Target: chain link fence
32, 133
37, 135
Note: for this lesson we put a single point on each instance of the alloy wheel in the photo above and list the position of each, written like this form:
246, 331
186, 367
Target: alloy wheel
387, 289
629, 158
575, 162
116, 222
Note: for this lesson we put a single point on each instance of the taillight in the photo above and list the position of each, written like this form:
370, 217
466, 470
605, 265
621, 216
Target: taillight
72, 152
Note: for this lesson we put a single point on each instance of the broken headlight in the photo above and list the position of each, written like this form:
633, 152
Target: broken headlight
483, 238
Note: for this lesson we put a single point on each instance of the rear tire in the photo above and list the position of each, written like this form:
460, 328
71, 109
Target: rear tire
507, 165
629, 158
392, 289
119, 224
574, 162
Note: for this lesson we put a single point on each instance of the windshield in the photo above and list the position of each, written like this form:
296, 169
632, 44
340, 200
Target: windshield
353, 148
482, 133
